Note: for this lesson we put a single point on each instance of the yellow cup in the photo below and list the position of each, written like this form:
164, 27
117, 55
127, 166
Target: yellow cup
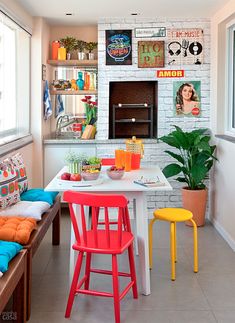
61, 53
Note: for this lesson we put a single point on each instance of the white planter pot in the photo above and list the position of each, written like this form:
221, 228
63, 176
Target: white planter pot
81, 56
91, 56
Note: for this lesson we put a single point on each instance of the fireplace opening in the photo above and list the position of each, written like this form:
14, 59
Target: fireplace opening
133, 109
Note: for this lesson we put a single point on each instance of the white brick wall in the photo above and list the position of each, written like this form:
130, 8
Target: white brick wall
154, 152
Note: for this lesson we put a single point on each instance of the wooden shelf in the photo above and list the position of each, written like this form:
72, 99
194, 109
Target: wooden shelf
130, 121
81, 92
73, 62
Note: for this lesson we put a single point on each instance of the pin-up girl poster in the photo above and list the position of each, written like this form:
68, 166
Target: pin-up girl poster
187, 98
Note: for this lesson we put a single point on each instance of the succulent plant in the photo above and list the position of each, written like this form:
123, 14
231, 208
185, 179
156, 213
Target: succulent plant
91, 46
80, 45
69, 43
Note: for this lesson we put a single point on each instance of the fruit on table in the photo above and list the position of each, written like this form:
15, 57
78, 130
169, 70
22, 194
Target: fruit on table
115, 169
75, 177
65, 176
91, 170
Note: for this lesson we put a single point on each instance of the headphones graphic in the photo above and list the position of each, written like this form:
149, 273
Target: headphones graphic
174, 48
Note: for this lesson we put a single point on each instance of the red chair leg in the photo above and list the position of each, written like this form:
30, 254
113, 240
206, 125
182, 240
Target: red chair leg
116, 289
132, 271
74, 285
87, 270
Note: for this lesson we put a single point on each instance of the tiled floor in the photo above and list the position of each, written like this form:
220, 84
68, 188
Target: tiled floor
205, 297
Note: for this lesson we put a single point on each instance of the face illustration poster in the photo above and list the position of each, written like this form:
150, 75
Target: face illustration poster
187, 98
118, 47
185, 46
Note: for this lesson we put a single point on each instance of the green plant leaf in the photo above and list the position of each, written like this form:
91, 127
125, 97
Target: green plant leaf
177, 157
171, 170
181, 179
181, 138
198, 173
171, 141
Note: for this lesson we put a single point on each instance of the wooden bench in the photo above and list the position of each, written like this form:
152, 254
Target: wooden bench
52, 216
13, 283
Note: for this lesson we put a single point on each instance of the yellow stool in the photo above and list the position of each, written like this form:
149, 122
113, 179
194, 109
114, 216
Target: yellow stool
173, 215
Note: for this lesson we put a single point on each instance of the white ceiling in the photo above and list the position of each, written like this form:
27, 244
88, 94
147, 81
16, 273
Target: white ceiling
89, 11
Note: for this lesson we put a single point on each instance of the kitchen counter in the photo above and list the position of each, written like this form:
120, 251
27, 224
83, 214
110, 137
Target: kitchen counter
53, 140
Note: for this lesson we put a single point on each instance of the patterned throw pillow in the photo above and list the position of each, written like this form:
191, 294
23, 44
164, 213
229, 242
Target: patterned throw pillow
18, 163
9, 190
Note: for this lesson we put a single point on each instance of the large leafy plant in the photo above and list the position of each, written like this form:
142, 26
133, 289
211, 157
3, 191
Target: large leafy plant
195, 156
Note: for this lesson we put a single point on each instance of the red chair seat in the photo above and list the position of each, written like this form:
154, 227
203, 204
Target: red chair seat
103, 246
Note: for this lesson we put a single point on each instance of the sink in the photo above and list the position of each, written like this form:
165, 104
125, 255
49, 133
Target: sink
67, 135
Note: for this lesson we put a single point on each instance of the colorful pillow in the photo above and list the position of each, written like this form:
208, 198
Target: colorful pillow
16, 229
38, 194
26, 209
18, 163
8, 250
9, 189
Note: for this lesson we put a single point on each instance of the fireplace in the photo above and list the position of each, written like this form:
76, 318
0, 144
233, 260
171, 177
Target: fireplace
133, 109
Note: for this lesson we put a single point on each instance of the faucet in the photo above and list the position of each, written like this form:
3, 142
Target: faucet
62, 121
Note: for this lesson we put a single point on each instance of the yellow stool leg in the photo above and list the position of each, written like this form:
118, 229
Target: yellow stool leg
151, 242
195, 246
175, 244
172, 241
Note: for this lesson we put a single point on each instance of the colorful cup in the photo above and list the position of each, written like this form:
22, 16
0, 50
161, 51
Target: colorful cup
135, 161
128, 161
119, 158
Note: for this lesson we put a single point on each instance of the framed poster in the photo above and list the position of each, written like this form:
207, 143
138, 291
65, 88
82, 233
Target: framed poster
118, 47
187, 98
150, 32
185, 46
150, 54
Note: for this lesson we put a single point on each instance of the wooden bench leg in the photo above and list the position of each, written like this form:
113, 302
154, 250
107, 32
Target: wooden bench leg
28, 283
19, 299
56, 229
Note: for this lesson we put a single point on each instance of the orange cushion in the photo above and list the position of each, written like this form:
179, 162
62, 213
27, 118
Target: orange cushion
16, 229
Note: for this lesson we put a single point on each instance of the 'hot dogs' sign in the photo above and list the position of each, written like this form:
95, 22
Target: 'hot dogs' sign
118, 47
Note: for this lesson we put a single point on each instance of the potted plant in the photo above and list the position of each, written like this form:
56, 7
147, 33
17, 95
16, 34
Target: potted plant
69, 43
80, 46
195, 158
90, 47
74, 162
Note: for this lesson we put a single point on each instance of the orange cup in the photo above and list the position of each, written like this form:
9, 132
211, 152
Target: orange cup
119, 158
135, 161
128, 161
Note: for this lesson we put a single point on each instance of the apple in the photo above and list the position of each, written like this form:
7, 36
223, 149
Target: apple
75, 177
65, 176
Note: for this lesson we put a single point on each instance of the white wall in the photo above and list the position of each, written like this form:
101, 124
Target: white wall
222, 198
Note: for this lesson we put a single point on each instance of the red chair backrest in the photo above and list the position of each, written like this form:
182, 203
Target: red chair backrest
108, 161
95, 202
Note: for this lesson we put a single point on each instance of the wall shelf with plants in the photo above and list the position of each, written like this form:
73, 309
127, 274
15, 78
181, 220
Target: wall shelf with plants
73, 62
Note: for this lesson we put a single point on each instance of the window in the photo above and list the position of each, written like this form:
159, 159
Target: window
231, 79
14, 80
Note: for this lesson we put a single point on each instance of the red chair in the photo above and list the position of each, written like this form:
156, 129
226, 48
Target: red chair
101, 241
107, 161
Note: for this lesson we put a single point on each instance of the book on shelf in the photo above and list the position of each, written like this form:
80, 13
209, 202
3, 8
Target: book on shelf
149, 182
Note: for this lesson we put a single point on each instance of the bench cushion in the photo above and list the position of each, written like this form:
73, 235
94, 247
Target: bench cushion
16, 229
8, 250
38, 194
26, 209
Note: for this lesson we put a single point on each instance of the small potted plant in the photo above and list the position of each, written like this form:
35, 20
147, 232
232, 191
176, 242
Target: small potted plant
80, 46
90, 47
74, 162
69, 43
194, 160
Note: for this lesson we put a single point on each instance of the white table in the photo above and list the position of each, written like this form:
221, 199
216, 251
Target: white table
132, 191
